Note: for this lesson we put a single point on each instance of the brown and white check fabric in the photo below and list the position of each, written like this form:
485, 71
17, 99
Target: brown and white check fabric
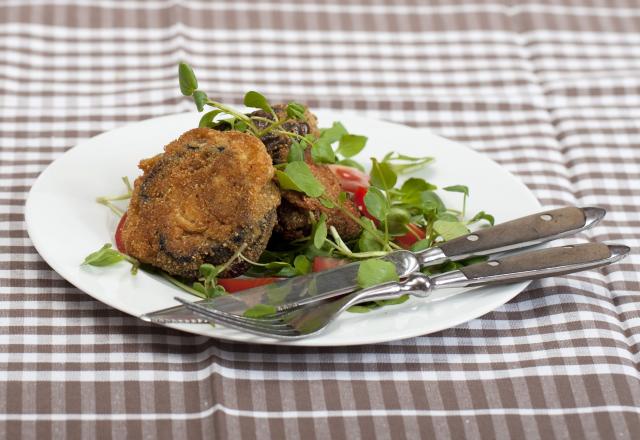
550, 89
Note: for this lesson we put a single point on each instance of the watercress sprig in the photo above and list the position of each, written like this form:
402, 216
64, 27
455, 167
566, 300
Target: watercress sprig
108, 200
235, 119
107, 256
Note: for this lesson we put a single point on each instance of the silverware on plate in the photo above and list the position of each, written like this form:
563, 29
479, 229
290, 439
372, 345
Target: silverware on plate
308, 320
512, 235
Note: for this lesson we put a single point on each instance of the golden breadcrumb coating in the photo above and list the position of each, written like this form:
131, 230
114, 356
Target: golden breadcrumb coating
207, 195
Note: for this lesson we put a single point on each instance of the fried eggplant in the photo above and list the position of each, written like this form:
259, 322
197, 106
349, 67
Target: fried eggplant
209, 194
294, 221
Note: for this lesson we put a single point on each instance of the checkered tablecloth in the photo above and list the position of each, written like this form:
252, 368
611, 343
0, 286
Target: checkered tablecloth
550, 89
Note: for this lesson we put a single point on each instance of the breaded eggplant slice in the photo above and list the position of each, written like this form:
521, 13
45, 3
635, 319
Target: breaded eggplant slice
207, 195
294, 221
278, 145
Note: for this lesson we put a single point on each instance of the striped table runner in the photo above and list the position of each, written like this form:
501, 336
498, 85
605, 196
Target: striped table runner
549, 89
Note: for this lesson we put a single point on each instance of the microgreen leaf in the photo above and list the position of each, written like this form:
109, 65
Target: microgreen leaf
447, 217
240, 126
411, 191
302, 265
297, 176
373, 272
333, 134
200, 98
296, 110
416, 184
458, 188
259, 311
321, 152
450, 230
382, 176
376, 203
106, 256
398, 156
208, 276
285, 182
207, 119
401, 163
367, 242
256, 100
397, 220
359, 309
215, 291
320, 234
482, 216
103, 257
208, 271
296, 152
431, 202
188, 81
421, 245
351, 144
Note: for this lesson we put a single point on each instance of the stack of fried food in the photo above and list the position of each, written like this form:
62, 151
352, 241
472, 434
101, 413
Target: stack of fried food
212, 193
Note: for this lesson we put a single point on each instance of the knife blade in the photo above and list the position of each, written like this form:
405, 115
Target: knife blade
515, 234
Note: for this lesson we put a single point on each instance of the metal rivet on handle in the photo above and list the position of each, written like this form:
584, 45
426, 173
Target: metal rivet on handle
493, 263
546, 217
472, 237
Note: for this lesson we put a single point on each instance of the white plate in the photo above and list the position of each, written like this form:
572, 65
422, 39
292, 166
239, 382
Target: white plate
65, 224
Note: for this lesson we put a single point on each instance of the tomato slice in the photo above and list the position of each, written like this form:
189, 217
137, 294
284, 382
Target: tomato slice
233, 285
350, 178
118, 237
358, 199
414, 234
325, 263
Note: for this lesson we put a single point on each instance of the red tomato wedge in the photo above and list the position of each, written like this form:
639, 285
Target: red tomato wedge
118, 237
325, 263
414, 234
350, 178
358, 199
233, 285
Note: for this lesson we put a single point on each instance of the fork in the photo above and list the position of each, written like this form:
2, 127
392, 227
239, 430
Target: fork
307, 320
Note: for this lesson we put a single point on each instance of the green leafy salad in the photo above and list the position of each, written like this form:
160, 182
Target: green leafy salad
391, 213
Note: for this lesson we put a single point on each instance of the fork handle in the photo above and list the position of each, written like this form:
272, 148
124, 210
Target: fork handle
533, 264
515, 234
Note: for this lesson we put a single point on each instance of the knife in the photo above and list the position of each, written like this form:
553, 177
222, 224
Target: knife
515, 234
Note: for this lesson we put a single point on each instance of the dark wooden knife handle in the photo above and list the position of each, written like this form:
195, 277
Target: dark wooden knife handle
540, 227
541, 263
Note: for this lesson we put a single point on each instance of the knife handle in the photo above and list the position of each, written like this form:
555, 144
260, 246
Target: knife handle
533, 264
515, 234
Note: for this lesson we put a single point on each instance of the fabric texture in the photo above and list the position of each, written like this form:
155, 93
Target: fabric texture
549, 89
